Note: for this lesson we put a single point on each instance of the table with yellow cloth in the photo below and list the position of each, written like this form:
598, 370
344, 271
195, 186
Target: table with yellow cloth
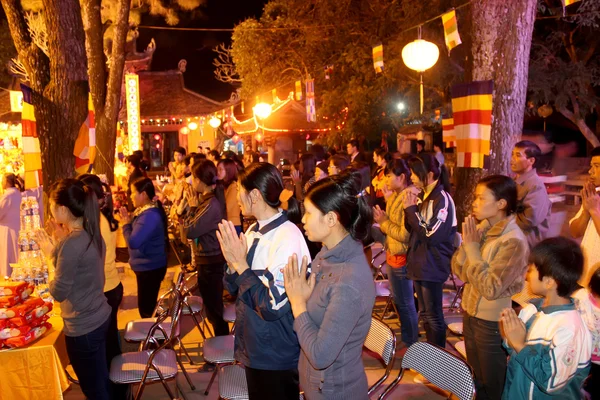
37, 371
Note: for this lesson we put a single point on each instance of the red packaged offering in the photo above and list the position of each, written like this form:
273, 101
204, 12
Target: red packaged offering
12, 288
9, 301
21, 309
29, 337
4, 323
8, 333
31, 316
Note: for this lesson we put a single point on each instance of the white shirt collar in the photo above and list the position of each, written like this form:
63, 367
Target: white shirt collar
266, 221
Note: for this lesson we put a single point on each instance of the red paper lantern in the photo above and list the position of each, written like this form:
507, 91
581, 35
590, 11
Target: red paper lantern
158, 145
157, 137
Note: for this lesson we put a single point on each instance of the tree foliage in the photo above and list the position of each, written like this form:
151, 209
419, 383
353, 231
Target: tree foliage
7, 52
565, 61
295, 39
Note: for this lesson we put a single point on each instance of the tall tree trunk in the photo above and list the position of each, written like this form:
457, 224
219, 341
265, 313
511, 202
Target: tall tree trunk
59, 81
105, 86
501, 41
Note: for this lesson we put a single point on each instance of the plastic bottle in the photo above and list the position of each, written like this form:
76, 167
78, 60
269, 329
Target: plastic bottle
35, 213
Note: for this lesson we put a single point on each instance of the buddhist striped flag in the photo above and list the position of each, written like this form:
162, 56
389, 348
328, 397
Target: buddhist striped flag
378, 58
298, 90
569, 2
32, 159
448, 132
85, 145
472, 108
311, 111
451, 30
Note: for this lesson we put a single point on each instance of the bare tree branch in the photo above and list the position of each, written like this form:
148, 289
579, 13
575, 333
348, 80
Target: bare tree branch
225, 70
37, 30
17, 68
580, 122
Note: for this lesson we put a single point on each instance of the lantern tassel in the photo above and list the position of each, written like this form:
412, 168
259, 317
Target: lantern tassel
421, 97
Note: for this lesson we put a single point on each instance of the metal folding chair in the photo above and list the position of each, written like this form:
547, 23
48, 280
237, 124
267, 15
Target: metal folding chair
440, 367
381, 340
218, 350
158, 364
232, 383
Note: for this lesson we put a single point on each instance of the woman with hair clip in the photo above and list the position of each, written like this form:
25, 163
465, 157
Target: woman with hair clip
332, 308
432, 240
265, 342
113, 288
201, 225
145, 232
393, 226
79, 281
492, 261
227, 173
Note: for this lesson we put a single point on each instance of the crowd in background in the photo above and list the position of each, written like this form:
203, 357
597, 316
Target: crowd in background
302, 283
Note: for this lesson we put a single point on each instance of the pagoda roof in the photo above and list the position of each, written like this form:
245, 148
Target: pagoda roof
163, 95
287, 116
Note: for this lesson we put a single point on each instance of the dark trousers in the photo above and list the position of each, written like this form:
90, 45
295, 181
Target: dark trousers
113, 343
210, 284
592, 384
148, 283
404, 297
88, 358
486, 356
272, 385
429, 296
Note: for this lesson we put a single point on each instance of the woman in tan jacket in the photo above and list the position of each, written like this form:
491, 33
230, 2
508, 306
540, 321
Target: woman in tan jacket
227, 172
492, 261
396, 243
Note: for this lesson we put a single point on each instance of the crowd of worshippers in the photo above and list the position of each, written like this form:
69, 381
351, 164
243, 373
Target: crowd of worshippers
303, 288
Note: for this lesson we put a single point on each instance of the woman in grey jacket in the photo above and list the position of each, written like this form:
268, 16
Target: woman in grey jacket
332, 308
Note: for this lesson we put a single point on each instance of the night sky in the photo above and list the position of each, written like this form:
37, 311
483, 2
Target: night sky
196, 47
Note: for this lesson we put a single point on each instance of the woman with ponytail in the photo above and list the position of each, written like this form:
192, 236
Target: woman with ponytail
146, 235
201, 225
265, 342
113, 288
332, 307
432, 240
78, 283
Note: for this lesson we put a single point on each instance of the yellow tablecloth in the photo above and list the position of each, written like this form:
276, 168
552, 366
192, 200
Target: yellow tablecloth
37, 371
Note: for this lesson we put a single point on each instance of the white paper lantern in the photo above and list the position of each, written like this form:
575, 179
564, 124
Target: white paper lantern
420, 55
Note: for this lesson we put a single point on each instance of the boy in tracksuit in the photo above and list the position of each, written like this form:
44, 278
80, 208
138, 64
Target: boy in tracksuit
549, 344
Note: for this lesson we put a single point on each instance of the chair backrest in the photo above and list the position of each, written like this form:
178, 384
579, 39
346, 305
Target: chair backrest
442, 368
175, 312
382, 341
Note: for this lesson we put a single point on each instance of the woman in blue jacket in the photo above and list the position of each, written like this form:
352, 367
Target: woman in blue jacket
432, 240
145, 232
265, 341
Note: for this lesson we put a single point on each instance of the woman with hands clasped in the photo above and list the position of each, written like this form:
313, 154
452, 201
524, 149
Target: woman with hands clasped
492, 261
201, 225
392, 224
332, 307
265, 342
146, 235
